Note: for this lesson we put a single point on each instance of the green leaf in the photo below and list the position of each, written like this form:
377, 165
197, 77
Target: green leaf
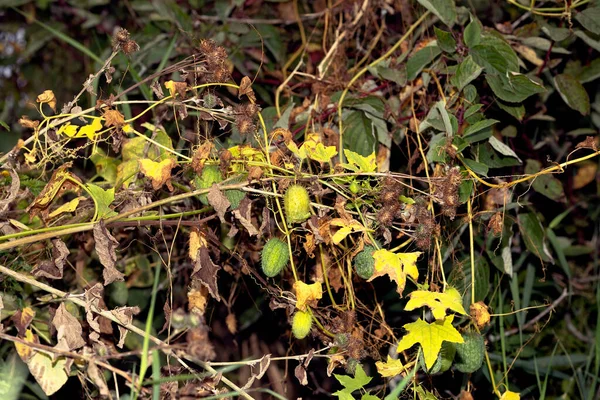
368, 396
495, 55
546, 184
594, 44
479, 130
490, 157
573, 93
437, 151
555, 33
477, 167
103, 199
590, 19
4, 125
358, 133
467, 71
344, 395
445, 40
472, 34
359, 380
516, 110
472, 110
445, 10
533, 236
420, 59
502, 148
590, 72
383, 71
513, 88
460, 279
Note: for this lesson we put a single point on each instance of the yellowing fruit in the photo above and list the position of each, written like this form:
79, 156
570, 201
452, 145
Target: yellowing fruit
297, 204
274, 257
301, 324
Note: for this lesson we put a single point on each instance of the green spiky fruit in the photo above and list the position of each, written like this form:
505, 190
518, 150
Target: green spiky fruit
364, 263
469, 355
443, 361
297, 204
301, 324
210, 175
274, 257
235, 196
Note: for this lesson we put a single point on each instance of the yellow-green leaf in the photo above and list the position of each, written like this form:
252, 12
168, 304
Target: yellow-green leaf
508, 395
159, 172
50, 375
67, 207
438, 302
390, 368
321, 153
90, 130
358, 163
102, 199
347, 227
396, 266
430, 336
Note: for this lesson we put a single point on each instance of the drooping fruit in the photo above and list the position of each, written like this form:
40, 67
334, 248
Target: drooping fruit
297, 204
364, 263
469, 355
274, 257
443, 361
301, 324
210, 175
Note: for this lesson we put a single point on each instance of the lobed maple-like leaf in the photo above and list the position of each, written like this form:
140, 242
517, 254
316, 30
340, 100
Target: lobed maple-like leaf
306, 294
391, 367
430, 336
396, 266
438, 302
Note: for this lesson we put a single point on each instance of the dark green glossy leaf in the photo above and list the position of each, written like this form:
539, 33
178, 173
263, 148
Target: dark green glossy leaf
445, 10
495, 55
534, 236
490, 157
472, 34
573, 93
513, 88
467, 71
477, 167
516, 110
445, 40
420, 60
479, 131
359, 133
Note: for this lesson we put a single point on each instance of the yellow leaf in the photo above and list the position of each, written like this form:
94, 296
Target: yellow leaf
438, 302
176, 88
50, 375
585, 174
508, 395
321, 153
396, 266
197, 240
480, 314
430, 336
47, 97
24, 351
68, 129
159, 172
390, 368
358, 163
347, 227
90, 130
307, 293
299, 152
67, 207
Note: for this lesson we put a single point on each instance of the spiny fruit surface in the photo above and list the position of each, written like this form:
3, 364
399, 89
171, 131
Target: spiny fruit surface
235, 196
364, 263
210, 175
469, 355
301, 324
297, 204
274, 257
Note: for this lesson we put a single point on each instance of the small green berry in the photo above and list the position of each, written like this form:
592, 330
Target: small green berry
274, 257
297, 204
301, 324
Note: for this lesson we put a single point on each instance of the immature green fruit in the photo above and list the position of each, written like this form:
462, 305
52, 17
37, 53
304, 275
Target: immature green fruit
469, 355
297, 204
354, 188
210, 175
364, 263
443, 361
301, 324
274, 257
235, 196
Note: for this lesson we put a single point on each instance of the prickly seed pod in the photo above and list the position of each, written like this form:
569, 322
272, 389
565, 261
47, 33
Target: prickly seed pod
297, 204
210, 175
274, 257
301, 324
469, 355
364, 263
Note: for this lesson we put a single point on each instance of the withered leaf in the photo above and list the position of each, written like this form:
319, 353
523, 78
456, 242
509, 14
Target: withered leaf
158, 172
218, 201
106, 246
98, 378
246, 89
22, 319
60, 183
47, 97
300, 373
157, 89
125, 315
205, 271
201, 153
28, 123
588, 143
53, 269
68, 329
244, 214
113, 118
13, 190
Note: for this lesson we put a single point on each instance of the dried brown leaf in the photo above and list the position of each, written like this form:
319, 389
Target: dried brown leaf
300, 374
13, 190
68, 329
246, 89
244, 214
205, 271
113, 118
22, 318
62, 181
231, 322
125, 316
590, 142
106, 246
98, 378
53, 269
47, 97
218, 201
